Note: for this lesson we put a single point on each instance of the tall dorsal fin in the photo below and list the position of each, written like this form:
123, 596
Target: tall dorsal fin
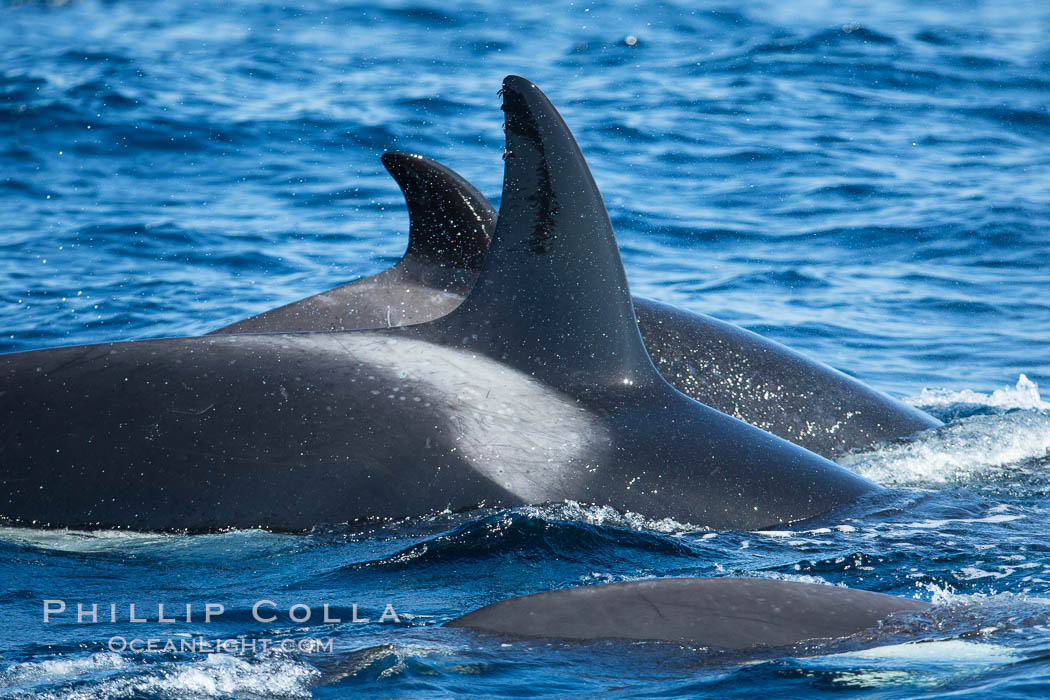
449, 220
551, 297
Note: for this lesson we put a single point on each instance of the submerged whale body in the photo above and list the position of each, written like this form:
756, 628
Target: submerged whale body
536, 388
721, 365
727, 613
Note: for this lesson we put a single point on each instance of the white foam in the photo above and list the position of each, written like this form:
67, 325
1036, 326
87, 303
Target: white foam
89, 541
222, 675
951, 652
1024, 394
998, 517
797, 578
217, 675
972, 573
59, 669
64, 540
915, 664
970, 448
605, 515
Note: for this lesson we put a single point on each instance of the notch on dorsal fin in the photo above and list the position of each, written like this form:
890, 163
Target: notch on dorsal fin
551, 297
449, 220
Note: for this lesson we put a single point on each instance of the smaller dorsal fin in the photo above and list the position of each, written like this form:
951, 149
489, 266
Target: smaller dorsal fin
449, 220
551, 297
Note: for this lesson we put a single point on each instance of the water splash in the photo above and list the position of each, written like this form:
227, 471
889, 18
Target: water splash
607, 516
978, 447
1024, 394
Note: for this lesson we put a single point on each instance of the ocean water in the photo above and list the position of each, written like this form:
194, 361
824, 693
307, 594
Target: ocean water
866, 184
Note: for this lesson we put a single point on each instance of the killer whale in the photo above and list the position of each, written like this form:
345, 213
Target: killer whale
450, 226
731, 369
726, 613
536, 388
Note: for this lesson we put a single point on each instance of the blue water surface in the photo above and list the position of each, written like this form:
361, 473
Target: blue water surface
866, 184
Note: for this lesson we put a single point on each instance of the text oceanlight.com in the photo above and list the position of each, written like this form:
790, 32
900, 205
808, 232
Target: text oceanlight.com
181, 643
